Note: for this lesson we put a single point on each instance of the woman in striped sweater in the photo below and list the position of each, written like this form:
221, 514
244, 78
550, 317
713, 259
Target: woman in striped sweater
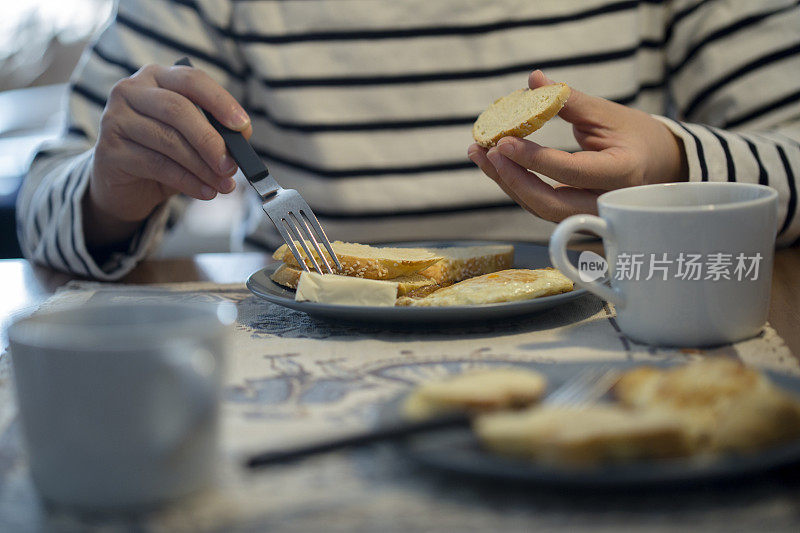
366, 107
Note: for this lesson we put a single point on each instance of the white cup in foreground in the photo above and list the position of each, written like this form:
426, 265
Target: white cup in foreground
118, 403
690, 264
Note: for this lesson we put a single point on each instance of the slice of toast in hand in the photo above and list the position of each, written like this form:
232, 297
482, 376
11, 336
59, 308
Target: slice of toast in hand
364, 261
520, 113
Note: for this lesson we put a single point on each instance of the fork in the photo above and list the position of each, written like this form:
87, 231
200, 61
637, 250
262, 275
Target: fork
582, 389
286, 209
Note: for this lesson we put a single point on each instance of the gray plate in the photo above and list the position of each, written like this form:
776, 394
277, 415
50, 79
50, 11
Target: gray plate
525, 256
459, 451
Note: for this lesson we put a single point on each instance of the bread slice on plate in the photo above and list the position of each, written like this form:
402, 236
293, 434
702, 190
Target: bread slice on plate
701, 384
581, 436
364, 261
476, 391
757, 421
725, 405
289, 276
520, 113
461, 262
504, 286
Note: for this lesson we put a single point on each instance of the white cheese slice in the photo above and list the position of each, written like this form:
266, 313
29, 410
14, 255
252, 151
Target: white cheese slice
345, 290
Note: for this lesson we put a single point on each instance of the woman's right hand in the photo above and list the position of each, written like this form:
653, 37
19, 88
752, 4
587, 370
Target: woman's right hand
154, 143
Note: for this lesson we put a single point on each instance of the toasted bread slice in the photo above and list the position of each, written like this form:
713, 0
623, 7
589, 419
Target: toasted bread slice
477, 391
723, 404
364, 261
520, 113
289, 276
504, 286
701, 384
582, 435
756, 421
461, 262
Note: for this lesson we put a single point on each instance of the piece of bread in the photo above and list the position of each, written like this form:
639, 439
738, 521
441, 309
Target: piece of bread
581, 436
414, 284
476, 391
364, 261
756, 421
724, 405
504, 286
461, 262
520, 113
702, 384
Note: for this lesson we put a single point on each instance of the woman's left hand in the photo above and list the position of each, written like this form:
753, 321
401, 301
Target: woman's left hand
622, 147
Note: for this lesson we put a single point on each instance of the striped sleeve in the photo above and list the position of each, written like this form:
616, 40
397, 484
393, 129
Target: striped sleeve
50, 225
53, 234
734, 76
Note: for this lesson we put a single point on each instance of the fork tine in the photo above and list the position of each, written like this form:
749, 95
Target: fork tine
585, 387
290, 224
605, 382
289, 240
600, 385
568, 388
305, 228
312, 219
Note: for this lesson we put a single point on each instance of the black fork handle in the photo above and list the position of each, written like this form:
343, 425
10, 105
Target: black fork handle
373, 436
243, 153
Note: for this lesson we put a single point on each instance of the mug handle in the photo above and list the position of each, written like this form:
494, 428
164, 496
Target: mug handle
558, 254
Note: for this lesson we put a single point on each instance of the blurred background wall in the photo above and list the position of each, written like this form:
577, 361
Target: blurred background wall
41, 40
40, 44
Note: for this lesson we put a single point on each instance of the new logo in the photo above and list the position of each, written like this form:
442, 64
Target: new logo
591, 267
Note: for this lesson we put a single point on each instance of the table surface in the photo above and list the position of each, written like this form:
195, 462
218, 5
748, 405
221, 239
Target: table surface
24, 286
769, 502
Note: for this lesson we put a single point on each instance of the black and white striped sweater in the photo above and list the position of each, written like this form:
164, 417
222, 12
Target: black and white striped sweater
365, 106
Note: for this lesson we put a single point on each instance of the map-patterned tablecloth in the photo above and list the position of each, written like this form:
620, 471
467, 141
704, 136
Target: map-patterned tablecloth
291, 377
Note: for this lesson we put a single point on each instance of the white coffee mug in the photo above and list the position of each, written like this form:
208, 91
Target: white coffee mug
690, 264
118, 403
